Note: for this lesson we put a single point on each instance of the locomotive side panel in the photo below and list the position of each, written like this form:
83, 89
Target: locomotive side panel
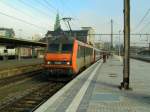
74, 57
80, 57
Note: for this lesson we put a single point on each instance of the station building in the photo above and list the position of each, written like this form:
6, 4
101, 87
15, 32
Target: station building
8, 51
7, 32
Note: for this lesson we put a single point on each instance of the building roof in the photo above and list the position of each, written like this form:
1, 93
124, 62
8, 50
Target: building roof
73, 33
8, 29
19, 42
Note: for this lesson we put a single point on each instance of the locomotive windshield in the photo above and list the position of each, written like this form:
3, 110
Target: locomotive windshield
67, 47
60, 48
53, 48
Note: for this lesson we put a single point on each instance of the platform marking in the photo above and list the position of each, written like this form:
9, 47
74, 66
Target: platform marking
78, 98
49, 102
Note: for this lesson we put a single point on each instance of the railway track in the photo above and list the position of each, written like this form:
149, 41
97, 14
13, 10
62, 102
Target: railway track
37, 89
14, 79
24, 93
142, 59
34, 99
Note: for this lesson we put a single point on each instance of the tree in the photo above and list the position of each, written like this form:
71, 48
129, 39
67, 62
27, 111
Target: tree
57, 26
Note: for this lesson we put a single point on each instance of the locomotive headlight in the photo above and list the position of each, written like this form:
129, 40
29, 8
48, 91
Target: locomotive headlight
68, 63
48, 62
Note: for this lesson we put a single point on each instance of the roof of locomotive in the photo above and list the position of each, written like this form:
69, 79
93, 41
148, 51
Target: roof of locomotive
62, 39
80, 35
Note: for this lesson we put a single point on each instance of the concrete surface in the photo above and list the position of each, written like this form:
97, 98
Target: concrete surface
96, 90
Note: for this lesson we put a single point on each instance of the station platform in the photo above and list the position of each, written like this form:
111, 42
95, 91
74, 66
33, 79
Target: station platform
18, 63
96, 90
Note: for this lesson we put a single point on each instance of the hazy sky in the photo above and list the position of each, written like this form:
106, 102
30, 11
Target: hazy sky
96, 13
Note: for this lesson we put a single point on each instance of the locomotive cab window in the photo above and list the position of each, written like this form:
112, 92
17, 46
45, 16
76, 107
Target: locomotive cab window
53, 48
67, 47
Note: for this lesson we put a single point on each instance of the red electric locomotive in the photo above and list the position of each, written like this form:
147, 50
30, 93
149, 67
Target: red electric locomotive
69, 56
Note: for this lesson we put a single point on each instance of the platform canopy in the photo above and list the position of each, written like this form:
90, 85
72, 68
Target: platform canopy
15, 42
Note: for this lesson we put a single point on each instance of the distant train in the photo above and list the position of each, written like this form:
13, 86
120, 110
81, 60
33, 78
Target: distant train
69, 56
7, 53
12, 53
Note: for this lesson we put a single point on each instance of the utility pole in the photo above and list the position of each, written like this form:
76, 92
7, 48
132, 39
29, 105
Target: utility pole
126, 72
111, 34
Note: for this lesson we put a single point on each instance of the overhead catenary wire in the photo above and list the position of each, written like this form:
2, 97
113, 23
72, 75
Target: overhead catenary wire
142, 19
79, 23
51, 6
37, 9
18, 10
34, 8
70, 11
48, 3
23, 21
145, 26
42, 4
46, 6
32, 16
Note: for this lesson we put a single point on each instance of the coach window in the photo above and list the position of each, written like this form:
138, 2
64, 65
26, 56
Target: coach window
82, 51
5, 51
79, 52
91, 50
87, 51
